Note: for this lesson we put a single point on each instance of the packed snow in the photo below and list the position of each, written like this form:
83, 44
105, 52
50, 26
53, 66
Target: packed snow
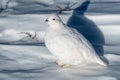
24, 57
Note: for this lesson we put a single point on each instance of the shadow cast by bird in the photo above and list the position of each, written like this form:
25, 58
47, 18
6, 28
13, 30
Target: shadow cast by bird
87, 28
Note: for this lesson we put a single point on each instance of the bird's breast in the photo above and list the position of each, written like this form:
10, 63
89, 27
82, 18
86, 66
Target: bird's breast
50, 39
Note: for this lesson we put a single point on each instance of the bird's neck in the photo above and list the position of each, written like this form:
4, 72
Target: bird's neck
57, 25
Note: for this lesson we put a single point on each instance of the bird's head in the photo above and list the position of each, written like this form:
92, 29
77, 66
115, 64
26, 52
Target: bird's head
53, 20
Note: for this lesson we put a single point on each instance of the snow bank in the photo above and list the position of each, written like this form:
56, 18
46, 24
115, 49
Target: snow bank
28, 36
29, 59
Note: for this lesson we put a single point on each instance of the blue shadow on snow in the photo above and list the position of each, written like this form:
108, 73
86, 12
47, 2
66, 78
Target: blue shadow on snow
87, 28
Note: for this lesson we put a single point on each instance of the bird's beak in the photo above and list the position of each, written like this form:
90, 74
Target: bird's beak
46, 20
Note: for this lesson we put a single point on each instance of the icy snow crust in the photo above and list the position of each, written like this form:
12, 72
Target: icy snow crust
29, 59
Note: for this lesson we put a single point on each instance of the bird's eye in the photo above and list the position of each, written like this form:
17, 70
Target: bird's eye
53, 18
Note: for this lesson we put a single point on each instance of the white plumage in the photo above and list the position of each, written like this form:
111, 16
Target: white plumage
69, 46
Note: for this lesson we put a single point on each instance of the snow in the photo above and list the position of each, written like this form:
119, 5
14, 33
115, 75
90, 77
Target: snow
29, 59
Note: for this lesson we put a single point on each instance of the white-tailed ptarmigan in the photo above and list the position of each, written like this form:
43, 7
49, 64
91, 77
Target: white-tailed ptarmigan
69, 46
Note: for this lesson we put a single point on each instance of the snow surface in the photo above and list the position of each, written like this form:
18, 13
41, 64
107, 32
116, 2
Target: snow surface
29, 59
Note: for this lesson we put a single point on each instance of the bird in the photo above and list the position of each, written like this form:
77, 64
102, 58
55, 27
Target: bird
69, 46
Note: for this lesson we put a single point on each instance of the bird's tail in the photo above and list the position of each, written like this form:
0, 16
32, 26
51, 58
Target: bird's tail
101, 62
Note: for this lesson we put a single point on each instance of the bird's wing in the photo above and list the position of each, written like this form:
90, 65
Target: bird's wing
76, 35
